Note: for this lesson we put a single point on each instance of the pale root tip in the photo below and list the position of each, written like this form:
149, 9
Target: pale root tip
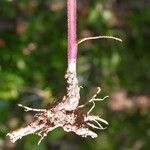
11, 137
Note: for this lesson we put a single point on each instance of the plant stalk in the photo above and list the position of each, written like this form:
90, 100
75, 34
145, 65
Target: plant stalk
72, 42
71, 100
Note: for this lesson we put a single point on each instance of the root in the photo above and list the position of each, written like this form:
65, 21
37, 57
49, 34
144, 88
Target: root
31, 109
71, 121
93, 100
65, 114
99, 37
71, 100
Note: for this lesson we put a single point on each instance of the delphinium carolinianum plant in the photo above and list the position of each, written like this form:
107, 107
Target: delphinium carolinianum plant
67, 113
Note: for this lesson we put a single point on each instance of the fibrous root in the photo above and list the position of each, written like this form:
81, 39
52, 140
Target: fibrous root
75, 121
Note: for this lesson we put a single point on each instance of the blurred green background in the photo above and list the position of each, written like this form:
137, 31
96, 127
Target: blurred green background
33, 61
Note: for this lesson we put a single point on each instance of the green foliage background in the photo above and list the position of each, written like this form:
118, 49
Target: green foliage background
33, 61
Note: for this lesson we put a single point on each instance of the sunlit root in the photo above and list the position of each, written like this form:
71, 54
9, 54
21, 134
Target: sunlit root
71, 100
29, 129
75, 121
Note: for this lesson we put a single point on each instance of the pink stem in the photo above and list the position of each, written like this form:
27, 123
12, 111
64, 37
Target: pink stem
72, 47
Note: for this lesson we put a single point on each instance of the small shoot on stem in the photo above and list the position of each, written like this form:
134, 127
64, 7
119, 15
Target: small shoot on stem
99, 37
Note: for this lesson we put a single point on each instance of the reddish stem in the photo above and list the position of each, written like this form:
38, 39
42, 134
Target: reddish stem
72, 47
